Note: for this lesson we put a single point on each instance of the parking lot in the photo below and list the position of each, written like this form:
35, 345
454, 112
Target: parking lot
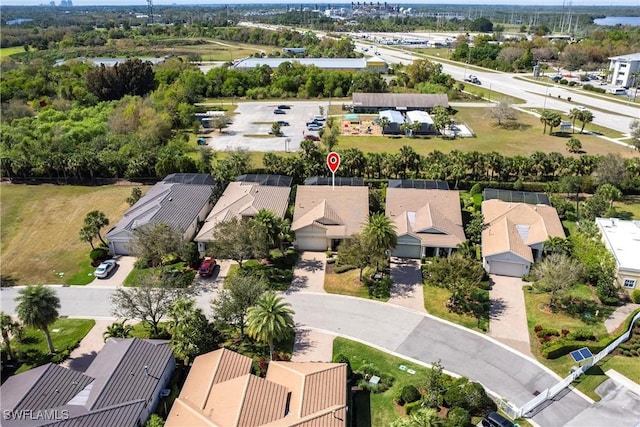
252, 123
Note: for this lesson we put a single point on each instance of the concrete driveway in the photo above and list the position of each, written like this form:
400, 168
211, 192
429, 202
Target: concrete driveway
255, 118
407, 290
308, 274
508, 315
125, 265
619, 407
216, 280
312, 346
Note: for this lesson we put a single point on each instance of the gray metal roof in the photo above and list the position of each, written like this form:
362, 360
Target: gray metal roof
399, 100
112, 392
176, 205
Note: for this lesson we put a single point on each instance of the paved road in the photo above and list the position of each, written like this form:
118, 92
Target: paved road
395, 329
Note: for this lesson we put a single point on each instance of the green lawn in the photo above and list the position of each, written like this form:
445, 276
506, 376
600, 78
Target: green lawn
40, 223
84, 276
138, 275
383, 409
627, 366
8, 51
630, 204
65, 334
435, 299
347, 283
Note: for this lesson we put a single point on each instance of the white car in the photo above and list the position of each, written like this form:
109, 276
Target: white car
104, 269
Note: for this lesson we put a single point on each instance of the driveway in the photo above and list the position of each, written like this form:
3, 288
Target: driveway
407, 290
125, 265
508, 316
216, 280
255, 118
312, 345
308, 274
619, 407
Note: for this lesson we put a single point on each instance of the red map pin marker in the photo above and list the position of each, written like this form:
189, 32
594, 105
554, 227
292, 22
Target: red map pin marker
333, 161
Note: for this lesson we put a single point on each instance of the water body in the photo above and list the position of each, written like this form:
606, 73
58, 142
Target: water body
18, 21
634, 21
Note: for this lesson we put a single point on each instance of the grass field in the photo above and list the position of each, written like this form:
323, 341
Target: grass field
629, 204
346, 283
435, 299
8, 51
219, 50
525, 139
40, 225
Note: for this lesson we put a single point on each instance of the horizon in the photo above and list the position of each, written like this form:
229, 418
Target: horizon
177, 3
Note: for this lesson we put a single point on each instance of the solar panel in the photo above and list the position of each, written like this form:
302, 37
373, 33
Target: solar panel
341, 181
516, 196
267, 179
581, 354
418, 183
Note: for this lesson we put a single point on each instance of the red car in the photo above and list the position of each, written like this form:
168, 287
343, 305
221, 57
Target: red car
207, 267
311, 138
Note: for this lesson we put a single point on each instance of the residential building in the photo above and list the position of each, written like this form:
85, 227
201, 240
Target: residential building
182, 201
120, 388
244, 200
375, 102
427, 222
352, 65
221, 391
514, 234
422, 117
622, 238
324, 215
624, 69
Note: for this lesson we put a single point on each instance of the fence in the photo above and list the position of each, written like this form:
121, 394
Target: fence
551, 392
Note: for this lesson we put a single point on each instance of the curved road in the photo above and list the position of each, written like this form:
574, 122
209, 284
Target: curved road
395, 329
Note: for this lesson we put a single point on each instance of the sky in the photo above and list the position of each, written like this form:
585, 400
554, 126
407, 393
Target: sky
324, 3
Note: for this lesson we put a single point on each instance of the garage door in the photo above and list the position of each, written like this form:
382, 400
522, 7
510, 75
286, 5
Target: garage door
312, 243
119, 248
407, 251
502, 268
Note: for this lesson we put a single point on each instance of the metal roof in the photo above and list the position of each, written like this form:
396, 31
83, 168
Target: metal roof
392, 115
418, 183
399, 100
516, 196
339, 181
265, 179
622, 238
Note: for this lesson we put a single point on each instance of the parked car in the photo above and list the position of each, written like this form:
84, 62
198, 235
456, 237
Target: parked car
279, 111
311, 138
282, 123
314, 123
105, 268
207, 267
314, 128
284, 107
319, 118
493, 419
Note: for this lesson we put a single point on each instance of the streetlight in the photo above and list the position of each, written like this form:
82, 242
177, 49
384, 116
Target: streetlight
544, 105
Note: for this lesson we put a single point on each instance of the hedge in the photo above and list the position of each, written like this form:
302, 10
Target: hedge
410, 407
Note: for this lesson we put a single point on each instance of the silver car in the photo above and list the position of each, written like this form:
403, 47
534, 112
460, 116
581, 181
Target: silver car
104, 269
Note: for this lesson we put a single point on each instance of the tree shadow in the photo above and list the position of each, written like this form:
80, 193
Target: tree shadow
7, 281
82, 362
311, 265
498, 308
298, 283
514, 125
406, 277
302, 341
361, 413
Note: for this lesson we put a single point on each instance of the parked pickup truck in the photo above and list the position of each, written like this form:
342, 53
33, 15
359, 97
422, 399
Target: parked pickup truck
473, 79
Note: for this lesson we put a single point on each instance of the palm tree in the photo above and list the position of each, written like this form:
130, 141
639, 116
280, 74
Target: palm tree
384, 123
271, 224
94, 222
380, 235
8, 327
271, 319
585, 117
574, 145
38, 308
574, 114
117, 330
544, 119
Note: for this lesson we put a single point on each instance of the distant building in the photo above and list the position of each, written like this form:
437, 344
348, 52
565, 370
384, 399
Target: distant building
622, 69
294, 50
375, 102
395, 120
622, 238
336, 64
422, 117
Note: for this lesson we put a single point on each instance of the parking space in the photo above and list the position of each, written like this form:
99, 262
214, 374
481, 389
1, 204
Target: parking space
252, 123
116, 278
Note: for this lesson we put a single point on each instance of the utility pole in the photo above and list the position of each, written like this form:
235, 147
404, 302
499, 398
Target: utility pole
150, 11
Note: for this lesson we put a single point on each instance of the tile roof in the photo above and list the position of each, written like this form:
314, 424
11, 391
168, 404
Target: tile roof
514, 227
243, 199
313, 393
341, 210
112, 392
176, 205
433, 216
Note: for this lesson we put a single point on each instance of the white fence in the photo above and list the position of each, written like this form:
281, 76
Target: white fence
551, 392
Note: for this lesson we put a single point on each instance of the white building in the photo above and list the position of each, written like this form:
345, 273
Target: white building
622, 69
622, 238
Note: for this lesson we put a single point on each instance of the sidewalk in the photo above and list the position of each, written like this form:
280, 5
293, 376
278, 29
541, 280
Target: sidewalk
407, 290
312, 346
618, 317
508, 316
91, 344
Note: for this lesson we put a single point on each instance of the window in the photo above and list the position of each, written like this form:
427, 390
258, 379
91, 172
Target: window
630, 283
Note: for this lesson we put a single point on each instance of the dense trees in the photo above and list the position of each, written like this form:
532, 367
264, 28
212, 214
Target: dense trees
132, 77
239, 240
38, 307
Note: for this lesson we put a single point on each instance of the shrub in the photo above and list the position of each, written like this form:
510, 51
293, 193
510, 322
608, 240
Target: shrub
635, 296
98, 254
563, 82
413, 406
458, 417
343, 268
583, 334
409, 394
331, 260
476, 189
141, 263
537, 328
341, 358
592, 88
379, 288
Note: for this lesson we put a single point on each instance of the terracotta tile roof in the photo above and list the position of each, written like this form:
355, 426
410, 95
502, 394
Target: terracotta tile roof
515, 227
433, 216
318, 395
243, 199
341, 211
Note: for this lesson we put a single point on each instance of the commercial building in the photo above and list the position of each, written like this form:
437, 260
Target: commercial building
336, 64
622, 238
375, 102
622, 69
